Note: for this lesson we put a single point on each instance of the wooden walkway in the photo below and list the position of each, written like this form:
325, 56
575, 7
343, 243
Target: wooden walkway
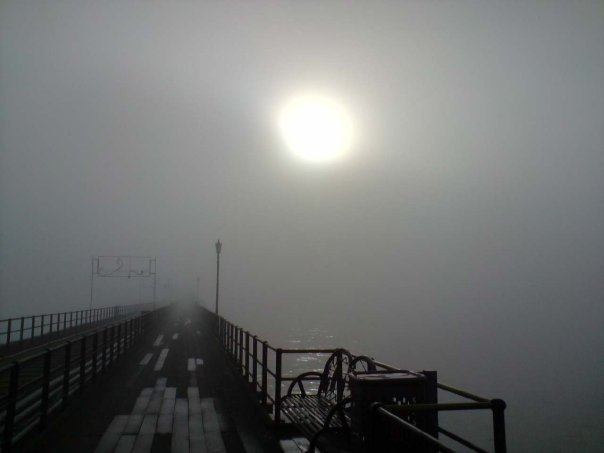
172, 392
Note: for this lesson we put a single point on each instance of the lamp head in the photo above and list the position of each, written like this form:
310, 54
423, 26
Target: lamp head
218, 247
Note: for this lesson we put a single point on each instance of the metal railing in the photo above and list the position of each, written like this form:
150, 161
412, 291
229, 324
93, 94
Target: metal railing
26, 331
34, 387
261, 366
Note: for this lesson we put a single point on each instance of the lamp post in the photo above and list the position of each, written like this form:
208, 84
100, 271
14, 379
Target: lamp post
218, 248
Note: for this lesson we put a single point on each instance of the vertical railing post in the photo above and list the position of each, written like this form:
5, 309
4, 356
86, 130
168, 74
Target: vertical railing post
240, 350
498, 407
22, 327
8, 330
50, 328
255, 362
45, 389
66, 372
9, 419
247, 356
70, 319
278, 379
223, 333
264, 386
42, 327
234, 343
33, 328
65, 321
82, 362
95, 352
231, 329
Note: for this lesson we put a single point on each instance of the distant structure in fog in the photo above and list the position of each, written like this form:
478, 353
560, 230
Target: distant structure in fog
123, 267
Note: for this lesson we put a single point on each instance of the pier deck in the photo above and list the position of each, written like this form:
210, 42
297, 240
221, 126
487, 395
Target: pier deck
172, 391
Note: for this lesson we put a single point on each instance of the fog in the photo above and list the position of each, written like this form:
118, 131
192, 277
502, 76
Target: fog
463, 231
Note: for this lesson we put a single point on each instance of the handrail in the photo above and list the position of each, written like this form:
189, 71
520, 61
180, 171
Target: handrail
55, 374
251, 356
425, 438
22, 332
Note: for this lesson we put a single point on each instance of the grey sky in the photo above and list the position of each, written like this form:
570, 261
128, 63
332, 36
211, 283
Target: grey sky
467, 220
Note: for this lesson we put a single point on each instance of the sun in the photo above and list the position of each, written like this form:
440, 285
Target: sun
316, 128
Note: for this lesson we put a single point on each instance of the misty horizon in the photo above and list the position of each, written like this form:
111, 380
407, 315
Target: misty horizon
462, 231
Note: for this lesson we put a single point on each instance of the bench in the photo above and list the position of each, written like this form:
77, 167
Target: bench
323, 416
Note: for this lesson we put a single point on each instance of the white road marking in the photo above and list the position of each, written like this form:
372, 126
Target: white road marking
146, 359
187, 322
192, 363
198, 332
161, 359
175, 336
158, 340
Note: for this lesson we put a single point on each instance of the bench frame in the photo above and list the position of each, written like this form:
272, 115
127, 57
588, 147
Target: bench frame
324, 415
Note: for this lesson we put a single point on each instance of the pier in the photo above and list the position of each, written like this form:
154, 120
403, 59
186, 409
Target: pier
181, 379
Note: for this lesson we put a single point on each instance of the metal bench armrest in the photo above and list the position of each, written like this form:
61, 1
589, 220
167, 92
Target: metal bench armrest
301, 378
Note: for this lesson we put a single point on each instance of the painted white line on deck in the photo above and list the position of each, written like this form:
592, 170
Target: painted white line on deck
193, 363
198, 332
175, 336
187, 322
158, 340
161, 359
146, 359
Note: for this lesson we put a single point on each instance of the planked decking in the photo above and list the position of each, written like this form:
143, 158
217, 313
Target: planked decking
173, 392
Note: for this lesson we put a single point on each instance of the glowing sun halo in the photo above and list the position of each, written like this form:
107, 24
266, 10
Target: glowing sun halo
316, 128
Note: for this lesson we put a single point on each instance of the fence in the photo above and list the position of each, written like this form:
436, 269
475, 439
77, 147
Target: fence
32, 388
261, 365
28, 331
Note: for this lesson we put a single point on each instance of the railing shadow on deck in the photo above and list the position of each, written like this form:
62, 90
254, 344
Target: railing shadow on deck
261, 366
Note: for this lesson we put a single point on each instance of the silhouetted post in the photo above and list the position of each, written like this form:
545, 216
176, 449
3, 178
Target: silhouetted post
498, 408
278, 379
255, 363
218, 248
247, 356
264, 385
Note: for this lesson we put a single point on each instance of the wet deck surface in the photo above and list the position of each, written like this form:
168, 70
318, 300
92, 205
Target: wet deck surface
172, 392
